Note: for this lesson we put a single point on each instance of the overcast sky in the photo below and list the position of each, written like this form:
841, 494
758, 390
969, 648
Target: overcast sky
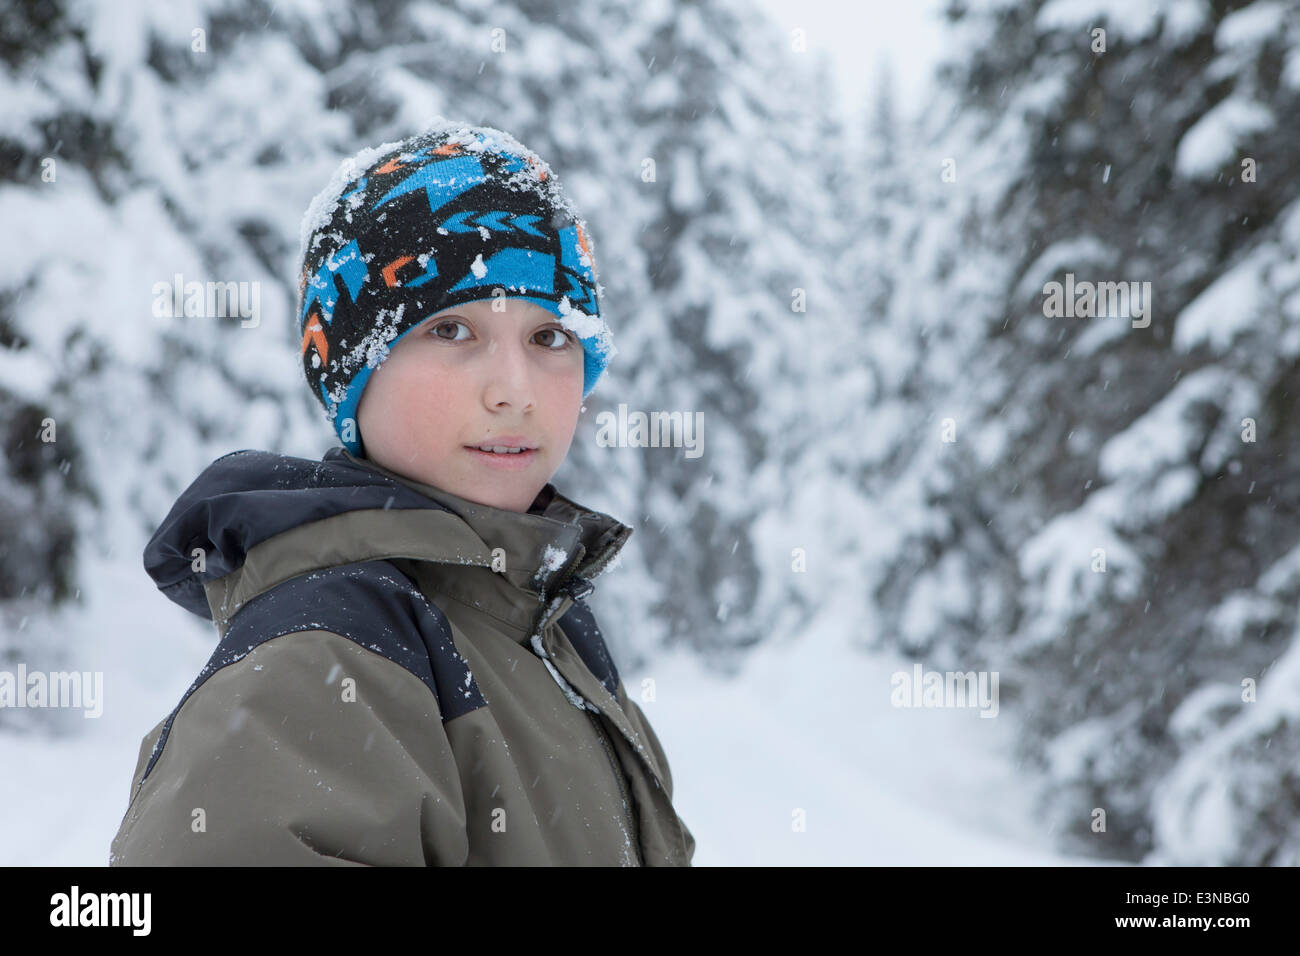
858, 36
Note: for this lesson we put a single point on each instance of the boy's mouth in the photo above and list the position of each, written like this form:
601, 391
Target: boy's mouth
509, 457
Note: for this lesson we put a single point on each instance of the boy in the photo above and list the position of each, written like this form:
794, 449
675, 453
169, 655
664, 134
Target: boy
407, 672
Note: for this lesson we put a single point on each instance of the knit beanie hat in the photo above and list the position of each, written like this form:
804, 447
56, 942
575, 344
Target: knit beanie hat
407, 229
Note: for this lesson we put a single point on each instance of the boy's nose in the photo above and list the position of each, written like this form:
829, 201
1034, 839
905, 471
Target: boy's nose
508, 379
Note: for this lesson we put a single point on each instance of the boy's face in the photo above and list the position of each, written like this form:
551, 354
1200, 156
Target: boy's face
470, 376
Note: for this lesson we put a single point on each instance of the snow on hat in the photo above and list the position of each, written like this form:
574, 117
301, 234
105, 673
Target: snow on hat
410, 228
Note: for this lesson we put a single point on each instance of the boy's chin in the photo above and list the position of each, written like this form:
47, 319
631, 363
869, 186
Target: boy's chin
499, 501
505, 491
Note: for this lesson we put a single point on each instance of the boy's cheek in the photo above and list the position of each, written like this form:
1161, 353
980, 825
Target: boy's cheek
436, 396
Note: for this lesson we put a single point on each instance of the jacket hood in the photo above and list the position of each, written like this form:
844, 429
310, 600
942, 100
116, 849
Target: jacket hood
253, 519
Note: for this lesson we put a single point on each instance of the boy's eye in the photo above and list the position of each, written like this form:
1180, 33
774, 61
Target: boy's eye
444, 324
560, 341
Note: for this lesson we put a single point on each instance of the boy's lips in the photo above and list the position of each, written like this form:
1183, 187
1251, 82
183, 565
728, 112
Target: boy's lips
504, 460
505, 441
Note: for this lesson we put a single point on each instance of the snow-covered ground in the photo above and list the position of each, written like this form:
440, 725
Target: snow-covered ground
808, 726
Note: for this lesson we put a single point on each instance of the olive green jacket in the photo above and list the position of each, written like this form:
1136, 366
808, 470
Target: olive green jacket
403, 678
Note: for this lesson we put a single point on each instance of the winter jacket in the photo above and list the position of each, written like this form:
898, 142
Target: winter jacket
403, 677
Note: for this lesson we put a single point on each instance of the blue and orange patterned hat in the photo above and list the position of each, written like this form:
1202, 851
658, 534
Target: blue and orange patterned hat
408, 229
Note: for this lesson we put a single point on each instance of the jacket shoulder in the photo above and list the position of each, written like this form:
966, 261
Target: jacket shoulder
372, 604
309, 750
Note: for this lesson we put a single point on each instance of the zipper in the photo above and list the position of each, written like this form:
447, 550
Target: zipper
574, 587
578, 587
618, 779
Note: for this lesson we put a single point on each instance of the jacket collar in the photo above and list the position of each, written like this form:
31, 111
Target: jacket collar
256, 519
555, 540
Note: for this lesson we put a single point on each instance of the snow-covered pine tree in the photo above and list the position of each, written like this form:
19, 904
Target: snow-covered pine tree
1115, 525
867, 393
43, 479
